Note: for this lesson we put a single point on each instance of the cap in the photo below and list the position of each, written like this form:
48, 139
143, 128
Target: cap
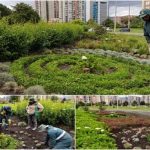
43, 127
144, 12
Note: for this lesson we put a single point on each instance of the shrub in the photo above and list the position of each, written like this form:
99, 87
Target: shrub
12, 88
4, 67
134, 103
19, 40
99, 30
54, 113
35, 90
5, 77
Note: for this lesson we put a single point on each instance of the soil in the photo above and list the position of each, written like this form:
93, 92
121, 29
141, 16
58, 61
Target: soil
28, 136
123, 128
64, 67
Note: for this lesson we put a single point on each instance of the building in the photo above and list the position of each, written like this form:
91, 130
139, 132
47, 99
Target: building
120, 99
99, 10
68, 10
61, 11
146, 4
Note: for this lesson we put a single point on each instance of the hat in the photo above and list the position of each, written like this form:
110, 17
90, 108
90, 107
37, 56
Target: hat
43, 127
144, 12
32, 99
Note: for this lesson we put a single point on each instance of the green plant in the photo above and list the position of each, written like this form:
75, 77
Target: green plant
106, 75
148, 138
91, 134
7, 142
33, 90
5, 77
54, 113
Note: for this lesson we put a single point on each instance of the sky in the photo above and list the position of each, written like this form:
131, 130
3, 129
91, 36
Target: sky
122, 6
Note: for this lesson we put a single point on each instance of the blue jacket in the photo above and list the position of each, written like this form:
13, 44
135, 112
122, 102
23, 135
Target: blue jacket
58, 138
147, 31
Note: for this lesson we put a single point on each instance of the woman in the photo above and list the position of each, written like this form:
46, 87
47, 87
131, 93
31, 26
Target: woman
33, 109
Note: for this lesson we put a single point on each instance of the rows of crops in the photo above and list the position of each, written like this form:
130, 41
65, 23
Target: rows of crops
54, 113
92, 134
64, 74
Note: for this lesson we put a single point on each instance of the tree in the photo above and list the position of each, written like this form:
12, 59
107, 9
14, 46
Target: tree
109, 23
4, 11
136, 22
23, 13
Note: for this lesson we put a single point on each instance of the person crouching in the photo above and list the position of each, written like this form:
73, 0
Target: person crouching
56, 137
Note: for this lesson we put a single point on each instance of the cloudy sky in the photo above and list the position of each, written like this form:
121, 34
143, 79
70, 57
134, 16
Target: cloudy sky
122, 6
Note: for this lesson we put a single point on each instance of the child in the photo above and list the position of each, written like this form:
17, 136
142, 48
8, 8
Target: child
5, 115
33, 109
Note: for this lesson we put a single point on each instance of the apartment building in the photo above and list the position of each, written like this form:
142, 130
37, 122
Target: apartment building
146, 4
68, 10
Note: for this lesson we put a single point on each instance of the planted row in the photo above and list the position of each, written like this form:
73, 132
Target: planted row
91, 134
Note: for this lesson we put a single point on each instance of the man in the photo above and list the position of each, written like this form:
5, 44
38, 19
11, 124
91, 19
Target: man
33, 109
145, 15
56, 137
5, 115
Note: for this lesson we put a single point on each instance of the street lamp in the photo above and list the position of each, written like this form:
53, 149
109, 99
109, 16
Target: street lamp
115, 21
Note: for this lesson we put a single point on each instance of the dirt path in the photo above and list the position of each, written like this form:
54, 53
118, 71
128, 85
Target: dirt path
28, 139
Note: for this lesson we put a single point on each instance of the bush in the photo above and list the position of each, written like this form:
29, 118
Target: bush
142, 102
19, 40
99, 30
35, 90
125, 103
5, 77
134, 103
4, 67
54, 113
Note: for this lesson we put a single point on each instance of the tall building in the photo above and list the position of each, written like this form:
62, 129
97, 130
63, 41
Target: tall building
97, 10
146, 4
68, 10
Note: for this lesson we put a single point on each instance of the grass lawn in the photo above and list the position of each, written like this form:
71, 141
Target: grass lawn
132, 30
143, 108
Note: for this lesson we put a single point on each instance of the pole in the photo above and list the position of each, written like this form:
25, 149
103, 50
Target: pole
129, 17
115, 21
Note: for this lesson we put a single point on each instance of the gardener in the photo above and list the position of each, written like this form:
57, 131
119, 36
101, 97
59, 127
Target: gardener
33, 110
5, 115
145, 15
56, 137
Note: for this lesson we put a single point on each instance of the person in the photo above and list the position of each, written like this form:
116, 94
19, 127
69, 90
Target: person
33, 110
145, 15
5, 116
56, 138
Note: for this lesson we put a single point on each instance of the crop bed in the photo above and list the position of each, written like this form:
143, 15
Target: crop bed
91, 134
69, 74
130, 132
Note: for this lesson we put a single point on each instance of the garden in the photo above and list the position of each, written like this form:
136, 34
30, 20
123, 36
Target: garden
112, 129
46, 58
55, 113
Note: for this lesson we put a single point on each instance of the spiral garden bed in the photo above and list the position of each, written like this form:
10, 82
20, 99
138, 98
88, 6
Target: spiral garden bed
69, 74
